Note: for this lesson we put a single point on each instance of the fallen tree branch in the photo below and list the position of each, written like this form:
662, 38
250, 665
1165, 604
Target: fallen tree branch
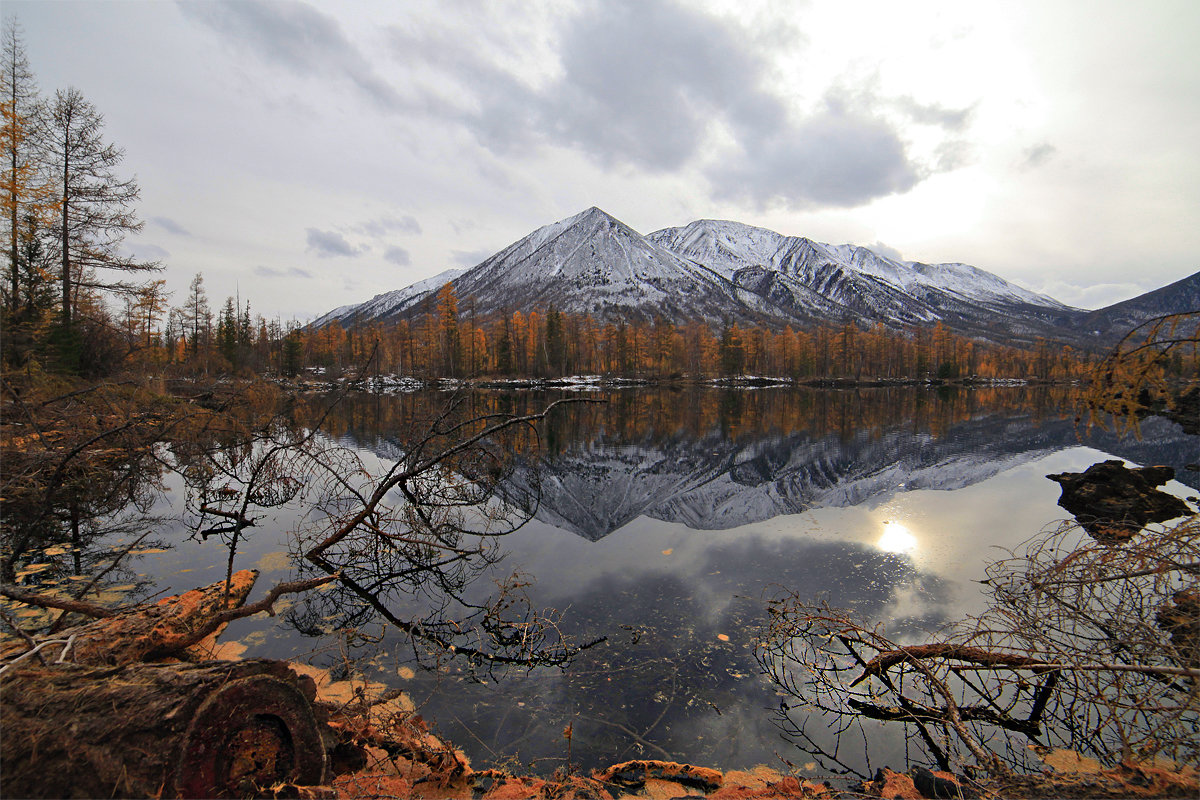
944, 650
44, 601
267, 604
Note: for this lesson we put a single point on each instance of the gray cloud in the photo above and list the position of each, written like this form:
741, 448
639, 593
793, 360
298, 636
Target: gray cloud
290, 272
398, 256
327, 244
469, 258
382, 226
647, 84
644, 81
952, 119
170, 226
295, 36
640, 83
834, 158
1038, 155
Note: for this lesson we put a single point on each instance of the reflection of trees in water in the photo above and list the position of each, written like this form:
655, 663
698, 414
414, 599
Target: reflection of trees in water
677, 678
1086, 646
81, 474
656, 415
716, 459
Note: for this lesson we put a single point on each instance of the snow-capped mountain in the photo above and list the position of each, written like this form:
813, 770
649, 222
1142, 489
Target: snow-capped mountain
595, 263
713, 270
806, 274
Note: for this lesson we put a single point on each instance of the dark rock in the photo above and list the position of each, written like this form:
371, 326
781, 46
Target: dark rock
634, 774
1113, 502
940, 784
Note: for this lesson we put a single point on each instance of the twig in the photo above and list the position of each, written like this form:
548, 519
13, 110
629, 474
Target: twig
34, 651
78, 606
12, 623
58, 623
632, 734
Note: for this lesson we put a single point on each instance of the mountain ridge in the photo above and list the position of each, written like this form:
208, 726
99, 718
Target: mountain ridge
715, 270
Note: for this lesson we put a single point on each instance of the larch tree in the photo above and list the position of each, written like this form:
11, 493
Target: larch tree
448, 333
26, 194
195, 314
95, 206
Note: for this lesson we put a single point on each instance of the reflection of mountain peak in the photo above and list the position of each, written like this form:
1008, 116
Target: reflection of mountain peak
719, 460
712, 484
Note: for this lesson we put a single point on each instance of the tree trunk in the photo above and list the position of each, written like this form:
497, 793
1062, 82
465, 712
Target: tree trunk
214, 729
177, 626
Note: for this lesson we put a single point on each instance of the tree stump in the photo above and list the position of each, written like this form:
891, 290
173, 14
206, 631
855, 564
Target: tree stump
213, 729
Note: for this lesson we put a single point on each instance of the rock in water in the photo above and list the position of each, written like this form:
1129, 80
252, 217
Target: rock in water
1113, 502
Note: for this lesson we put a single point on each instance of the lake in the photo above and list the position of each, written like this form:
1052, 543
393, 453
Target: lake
665, 519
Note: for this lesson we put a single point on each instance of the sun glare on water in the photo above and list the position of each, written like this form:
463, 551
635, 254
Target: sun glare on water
896, 539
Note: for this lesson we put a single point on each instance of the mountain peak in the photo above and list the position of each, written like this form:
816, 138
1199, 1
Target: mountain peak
589, 214
714, 269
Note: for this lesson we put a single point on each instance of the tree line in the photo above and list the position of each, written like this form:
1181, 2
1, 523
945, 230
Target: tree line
452, 340
66, 210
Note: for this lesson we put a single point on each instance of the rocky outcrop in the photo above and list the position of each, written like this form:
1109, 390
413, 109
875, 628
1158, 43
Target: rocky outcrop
1113, 503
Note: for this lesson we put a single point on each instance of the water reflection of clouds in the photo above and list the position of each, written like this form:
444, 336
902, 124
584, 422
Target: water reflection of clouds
679, 669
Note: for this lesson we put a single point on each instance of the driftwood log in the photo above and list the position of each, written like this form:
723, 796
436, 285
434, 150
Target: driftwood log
212, 729
172, 627
84, 716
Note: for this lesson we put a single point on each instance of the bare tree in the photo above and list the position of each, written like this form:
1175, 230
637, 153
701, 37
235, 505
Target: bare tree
406, 541
95, 206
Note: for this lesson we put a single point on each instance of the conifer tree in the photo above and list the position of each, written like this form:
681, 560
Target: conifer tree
94, 205
25, 192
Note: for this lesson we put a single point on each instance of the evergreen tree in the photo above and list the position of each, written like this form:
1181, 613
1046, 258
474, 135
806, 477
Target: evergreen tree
292, 352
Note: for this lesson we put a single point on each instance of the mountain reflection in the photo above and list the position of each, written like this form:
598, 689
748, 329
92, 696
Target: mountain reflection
663, 491
714, 460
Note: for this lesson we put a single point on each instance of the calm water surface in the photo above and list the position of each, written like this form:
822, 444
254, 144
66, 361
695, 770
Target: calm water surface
666, 520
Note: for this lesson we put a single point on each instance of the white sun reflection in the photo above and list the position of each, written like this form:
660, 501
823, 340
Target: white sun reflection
896, 539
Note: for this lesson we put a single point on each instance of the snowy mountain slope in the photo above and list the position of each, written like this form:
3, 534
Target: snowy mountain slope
855, 278
594, 263
388, 304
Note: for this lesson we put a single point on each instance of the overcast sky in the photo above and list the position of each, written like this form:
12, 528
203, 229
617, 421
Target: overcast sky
314, 154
